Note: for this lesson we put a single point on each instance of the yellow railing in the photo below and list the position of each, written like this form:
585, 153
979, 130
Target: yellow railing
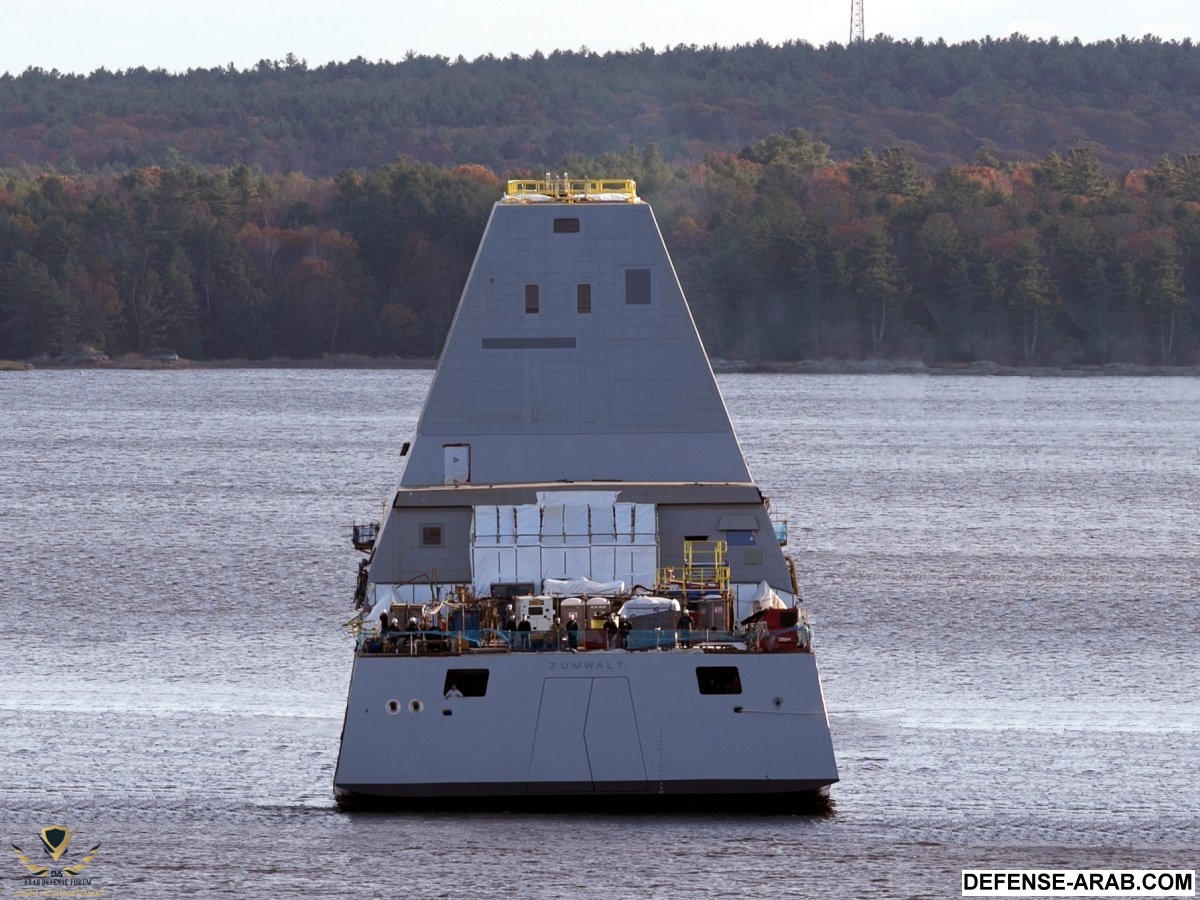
704, 563
571, 190
704, 569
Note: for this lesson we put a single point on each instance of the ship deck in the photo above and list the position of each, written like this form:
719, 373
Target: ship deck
493, 641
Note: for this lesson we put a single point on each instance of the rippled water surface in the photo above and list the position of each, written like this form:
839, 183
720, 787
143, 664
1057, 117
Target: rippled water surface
1001, 571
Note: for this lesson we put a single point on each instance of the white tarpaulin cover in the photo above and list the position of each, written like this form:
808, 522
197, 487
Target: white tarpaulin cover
565, 535
380, 596
646, 606
552, 526
573, 587
529, 525
486, 518
765, 598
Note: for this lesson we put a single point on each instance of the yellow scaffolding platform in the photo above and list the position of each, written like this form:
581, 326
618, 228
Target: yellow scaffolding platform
704, 570
571, 190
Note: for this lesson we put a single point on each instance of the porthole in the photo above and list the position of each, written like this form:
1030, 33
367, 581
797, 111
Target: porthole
415, 706
393, 707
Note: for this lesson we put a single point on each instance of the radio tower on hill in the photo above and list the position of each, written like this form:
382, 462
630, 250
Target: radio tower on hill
857, 30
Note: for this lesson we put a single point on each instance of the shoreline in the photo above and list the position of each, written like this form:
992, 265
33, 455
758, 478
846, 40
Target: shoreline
975, 369
719, 366
149, 363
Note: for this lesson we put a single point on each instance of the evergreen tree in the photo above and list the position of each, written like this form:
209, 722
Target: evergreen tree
1031, 294
1162, 292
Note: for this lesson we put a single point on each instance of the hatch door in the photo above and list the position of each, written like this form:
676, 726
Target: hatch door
457, 463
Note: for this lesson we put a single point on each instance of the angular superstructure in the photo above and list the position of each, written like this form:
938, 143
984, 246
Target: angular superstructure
573, 333
576, 546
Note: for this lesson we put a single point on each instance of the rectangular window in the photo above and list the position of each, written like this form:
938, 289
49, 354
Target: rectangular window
637, 287
718, 679
431, 535
583, 298
531, 343
788, 618
740, 539
531, 298
566, 226
465, 683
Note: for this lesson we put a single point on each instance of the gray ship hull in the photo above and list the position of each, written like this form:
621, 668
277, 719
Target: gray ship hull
603, 725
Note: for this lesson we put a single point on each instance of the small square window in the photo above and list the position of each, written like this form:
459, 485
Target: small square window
583, 298
637, 287
431, 535
566, 226
531, 298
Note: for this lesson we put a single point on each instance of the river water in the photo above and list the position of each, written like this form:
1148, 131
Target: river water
1002, 575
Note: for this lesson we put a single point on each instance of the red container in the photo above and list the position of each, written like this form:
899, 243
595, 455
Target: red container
781, 636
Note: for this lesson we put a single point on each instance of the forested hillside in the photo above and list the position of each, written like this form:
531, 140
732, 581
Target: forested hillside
1019, 201
1131, 101
784, 255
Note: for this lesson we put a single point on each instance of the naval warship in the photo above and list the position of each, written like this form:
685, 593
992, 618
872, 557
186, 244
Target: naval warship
578, 596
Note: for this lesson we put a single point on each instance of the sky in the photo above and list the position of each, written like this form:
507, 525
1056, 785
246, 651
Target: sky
80, 36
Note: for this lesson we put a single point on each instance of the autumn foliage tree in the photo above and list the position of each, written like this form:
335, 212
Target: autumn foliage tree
784, 253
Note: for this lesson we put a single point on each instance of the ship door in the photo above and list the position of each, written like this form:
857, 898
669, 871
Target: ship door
611, 734
587, 738
560, 755
456, 463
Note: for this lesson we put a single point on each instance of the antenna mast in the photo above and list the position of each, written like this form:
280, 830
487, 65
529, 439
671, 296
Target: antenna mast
857, 29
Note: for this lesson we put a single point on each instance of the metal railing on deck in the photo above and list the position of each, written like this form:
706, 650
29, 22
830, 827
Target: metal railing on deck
489, 640
571, 190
